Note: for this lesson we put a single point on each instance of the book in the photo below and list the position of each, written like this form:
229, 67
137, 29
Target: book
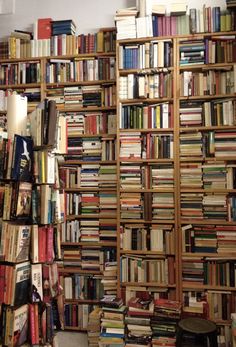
23, 198
44, 29
22, 161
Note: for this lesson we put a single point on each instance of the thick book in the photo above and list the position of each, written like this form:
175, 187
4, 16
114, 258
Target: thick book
22, 160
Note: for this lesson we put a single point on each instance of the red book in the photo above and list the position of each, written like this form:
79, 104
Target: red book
36, 323
2, 282
32, 324
50, 253
46, 284
42, 244
44, 28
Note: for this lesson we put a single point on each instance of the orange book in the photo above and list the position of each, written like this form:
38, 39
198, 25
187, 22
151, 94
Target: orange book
44, 28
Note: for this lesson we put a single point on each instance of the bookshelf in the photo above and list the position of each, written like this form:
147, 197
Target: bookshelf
191, 183
88, 178
147, 218
206, 115
82, 83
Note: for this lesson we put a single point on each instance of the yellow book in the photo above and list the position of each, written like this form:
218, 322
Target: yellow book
158, 116
100, 37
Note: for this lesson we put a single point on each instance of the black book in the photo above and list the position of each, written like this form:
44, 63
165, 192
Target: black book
21, 283
22, 159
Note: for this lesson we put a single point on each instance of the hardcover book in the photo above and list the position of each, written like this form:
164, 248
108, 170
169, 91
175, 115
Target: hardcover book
23, 197
21, 283
22, 158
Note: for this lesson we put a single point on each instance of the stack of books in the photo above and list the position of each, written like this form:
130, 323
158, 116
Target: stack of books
164, 322
73, 95
130, 176
190, 113
130, 145
191, 175
162, 176
192, 52
107, 229
163, 206
94, 327
137, 320
60, 27
109, 280
126, 23
112, 322
191, 144
191, 205
107, 176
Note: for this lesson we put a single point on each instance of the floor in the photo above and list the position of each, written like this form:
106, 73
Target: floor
70, 339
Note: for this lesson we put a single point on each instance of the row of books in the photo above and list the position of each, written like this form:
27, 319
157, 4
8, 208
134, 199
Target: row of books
146, 116
207, 113
103, 176
65, 70
217, 239
209, 175
148, 238
216, 305
147, 176
71, 97
220, 206
23, 242
207, 83
90, 258
147, 269
25, 323
105, 229
20, 73
147, 206
76, 315
197, 21
90, 123
212, 144
91, 149
156, 54
91, 204
218, 49
159, 23
149, 146
153, 85
208, 272
48, 205
83, 287
19, 46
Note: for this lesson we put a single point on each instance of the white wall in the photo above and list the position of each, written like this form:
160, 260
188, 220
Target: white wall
89, 15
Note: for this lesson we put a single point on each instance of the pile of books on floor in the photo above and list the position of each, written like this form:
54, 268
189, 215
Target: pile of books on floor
94, 327
138, 321
112, 321
164, 322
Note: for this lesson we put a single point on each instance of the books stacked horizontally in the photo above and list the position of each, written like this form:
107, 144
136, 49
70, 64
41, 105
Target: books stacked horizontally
164, 322
192, 52
137, 320
109, 280
112, 322
126, 23
191, 175
94, 327
60, 27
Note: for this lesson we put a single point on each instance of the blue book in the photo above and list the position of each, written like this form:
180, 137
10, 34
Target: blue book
22, 159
